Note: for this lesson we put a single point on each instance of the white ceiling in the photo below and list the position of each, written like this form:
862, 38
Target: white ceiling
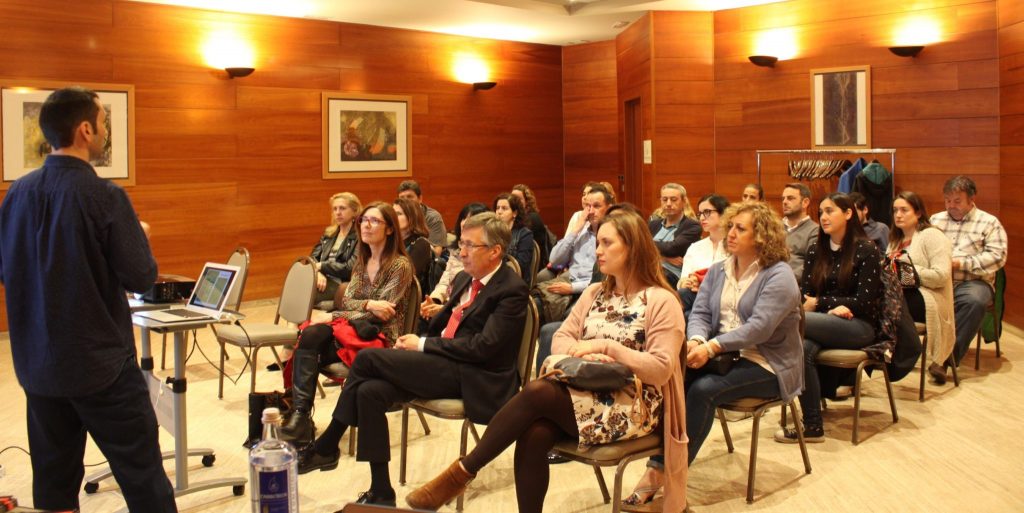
556, 22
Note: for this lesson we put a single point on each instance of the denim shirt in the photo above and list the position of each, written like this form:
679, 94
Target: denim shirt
580, 251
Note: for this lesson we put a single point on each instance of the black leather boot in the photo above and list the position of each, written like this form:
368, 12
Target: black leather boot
300, 430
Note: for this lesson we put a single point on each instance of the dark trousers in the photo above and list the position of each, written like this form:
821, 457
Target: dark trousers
121, 421
380, 378
970, 299
827, 331
704, 393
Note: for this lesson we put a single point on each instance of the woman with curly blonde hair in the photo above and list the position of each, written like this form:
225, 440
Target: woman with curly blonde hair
750, 303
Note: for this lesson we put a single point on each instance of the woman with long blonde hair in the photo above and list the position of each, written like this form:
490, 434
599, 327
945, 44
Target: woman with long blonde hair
632, 317
334, 253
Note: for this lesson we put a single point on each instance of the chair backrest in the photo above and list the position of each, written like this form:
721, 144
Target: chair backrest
239, 258
412, 307
514, 264
298, 292
531, 328
531, 280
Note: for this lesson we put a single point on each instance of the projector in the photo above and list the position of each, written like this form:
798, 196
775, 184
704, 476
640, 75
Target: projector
169, 288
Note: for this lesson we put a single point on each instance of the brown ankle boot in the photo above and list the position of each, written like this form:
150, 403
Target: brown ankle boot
442, 489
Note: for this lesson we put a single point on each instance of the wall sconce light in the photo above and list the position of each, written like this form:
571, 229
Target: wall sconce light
483, 86
767, 61
906, 51
239, 72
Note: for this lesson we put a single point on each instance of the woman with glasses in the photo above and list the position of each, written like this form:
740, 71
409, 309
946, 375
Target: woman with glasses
511, 211
704, 252
632, 317
335, 253
376, 296
414, 232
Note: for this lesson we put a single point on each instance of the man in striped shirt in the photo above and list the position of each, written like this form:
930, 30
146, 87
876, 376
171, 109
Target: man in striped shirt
979, 251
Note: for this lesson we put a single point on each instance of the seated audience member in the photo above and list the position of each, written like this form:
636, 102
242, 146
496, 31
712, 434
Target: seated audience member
675, 231
335, 254
634, 318
801, 231
536, 223
704, 252
914, 240
509, 209
841, 286
413, 231
979, 251
438, 236
877, 232
377, 294
752, 192
574, 218
749, 302
434, 300
469, 352
576, 252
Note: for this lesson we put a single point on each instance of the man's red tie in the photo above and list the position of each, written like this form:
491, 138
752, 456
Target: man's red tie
456, 318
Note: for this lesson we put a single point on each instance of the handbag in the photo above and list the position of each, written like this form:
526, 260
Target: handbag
722, 363
905, 271
258, 401
589, 375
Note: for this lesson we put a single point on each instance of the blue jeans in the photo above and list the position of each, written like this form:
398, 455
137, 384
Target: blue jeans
826, 331
687, 296
706, 392
547, 332
970, 298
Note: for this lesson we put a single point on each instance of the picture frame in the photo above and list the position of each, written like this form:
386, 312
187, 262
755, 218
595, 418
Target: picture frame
24, 149
841, 107
366, 135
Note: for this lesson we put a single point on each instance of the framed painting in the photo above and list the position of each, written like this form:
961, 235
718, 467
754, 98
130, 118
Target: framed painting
841, 107
24, 148
366, 135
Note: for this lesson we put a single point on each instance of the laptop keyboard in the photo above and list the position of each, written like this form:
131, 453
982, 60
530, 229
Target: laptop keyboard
181, 312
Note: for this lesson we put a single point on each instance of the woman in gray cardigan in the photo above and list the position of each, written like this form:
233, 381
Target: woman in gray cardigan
749, 302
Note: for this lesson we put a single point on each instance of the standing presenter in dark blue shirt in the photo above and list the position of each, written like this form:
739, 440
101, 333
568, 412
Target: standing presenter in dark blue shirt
70, 245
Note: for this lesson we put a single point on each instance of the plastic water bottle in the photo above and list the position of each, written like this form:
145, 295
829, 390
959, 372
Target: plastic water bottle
274, 470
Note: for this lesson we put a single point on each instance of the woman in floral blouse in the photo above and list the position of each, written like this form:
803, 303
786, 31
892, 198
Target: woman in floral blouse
377, 293
632, 317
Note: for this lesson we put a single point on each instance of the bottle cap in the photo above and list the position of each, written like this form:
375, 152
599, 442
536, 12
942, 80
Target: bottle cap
271, 415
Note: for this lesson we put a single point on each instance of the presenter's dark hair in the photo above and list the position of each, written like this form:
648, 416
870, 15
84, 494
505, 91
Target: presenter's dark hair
63, 111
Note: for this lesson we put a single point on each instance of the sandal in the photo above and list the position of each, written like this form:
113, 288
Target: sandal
641, 496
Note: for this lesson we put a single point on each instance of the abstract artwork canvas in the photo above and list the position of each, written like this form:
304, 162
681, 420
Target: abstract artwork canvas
841, 107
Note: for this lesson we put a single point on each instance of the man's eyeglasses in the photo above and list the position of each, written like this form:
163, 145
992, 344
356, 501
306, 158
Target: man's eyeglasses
706, 213
465, 244
372, 220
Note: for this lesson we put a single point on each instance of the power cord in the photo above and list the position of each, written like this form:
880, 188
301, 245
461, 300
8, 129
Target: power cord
22, 449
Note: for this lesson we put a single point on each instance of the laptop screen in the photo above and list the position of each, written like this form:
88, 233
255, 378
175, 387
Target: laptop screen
212, 287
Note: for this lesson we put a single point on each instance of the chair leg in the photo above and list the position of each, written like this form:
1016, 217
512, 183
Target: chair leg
856, 401
252, 369
220, 377
798, 422
602, 485
353, 434
725, 429
752, 472
888, 389
405, 444
924, 356
956, 375
463, 446
426, 428
472, 429
977, 351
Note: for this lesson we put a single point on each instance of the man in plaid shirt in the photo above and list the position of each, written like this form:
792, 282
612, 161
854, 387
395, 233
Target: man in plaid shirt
979, 251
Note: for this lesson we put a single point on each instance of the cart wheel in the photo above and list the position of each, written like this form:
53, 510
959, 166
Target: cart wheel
91, 487
209, 459
238, 490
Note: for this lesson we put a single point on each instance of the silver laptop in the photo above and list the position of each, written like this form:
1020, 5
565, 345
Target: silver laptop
208, 297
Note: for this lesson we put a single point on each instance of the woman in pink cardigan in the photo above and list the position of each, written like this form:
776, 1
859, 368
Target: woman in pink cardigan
633, 317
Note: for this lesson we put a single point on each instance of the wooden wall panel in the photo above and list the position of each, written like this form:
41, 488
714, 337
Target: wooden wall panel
939, 110
1011, 154
222, 163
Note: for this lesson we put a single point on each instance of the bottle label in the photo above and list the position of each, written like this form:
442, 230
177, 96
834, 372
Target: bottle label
272, 493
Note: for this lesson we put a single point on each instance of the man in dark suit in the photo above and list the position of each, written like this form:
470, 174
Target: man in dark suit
70, 244
469, 352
